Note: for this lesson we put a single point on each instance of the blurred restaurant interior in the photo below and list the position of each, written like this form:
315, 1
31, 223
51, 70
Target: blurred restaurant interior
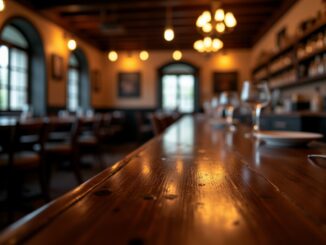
115, 89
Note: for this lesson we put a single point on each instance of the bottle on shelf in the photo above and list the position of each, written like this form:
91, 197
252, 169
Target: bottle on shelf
320, 41
319, 65
316, 103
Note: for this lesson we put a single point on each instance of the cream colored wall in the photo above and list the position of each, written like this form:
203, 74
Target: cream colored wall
232, 60
55, 43
302, 10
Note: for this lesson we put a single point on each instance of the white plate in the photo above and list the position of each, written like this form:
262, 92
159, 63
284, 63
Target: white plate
286, 138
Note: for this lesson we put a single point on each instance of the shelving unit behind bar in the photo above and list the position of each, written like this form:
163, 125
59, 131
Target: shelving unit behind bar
290, 66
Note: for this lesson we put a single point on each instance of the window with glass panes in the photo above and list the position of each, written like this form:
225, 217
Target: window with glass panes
178, 88
73, 90
14, 70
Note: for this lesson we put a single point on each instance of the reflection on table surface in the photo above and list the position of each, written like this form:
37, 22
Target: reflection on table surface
194, 184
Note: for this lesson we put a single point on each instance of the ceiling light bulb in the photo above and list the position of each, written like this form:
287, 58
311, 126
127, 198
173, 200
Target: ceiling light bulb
200, 21
177, 55
217, 44
207, 28
230, 20
219, 15
199, 46
113, 56
207, 42
72, 45
2, 5
220, 27
168, 34
144, 55
206, 15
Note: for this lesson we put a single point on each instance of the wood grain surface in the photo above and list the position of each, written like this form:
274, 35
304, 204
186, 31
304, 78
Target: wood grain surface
191, 185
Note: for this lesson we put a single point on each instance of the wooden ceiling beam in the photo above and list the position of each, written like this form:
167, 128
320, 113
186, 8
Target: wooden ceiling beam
182, 12
136, 4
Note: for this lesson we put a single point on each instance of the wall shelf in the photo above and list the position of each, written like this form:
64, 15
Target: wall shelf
291, 50
302, 81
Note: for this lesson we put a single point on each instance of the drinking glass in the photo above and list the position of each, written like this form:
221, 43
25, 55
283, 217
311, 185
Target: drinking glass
229, 100
256, 96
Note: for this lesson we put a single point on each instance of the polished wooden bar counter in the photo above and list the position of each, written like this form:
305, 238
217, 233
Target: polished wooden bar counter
194, 184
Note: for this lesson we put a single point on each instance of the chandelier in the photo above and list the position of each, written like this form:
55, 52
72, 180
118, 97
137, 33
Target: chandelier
211, 24
208, 44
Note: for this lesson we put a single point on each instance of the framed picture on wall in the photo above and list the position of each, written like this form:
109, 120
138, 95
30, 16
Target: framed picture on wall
95, 80
56, 67
225, 81
129, 84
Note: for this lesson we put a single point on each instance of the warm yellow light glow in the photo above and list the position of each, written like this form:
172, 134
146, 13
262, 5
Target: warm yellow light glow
200, 21
144, 55
219, 15
169, 34
208, 45
217, 44
177, 55
199, 46
113, 56
2, 5
179, 166
72, 45
207, 27
230, 20
206, 15
220, 27
207, 42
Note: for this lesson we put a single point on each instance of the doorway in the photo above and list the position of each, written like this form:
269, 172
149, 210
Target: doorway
179, 88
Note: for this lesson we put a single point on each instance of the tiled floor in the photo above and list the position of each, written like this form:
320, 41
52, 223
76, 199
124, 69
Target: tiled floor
63, 179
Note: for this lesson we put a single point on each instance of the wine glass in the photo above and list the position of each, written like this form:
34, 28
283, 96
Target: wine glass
256, 96
215, 107
229, 100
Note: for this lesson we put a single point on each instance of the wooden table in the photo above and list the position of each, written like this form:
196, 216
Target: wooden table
192, 185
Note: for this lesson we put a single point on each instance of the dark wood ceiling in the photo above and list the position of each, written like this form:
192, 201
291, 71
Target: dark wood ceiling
139, 24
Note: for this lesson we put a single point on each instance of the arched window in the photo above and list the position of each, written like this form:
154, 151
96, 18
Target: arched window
73, 86
78, 94
179, 87
22, 67
14, 70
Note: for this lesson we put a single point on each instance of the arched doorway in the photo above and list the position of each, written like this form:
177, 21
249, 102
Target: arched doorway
24, 75
178, 87
78, 92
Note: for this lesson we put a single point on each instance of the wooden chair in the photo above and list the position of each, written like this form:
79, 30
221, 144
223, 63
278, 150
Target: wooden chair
22, 159
89, 140
144, 129
66, 149
104, 131
158, 123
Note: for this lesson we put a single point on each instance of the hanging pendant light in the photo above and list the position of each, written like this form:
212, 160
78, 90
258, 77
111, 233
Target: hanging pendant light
216, 20
113, 56
212, 24
168, 32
